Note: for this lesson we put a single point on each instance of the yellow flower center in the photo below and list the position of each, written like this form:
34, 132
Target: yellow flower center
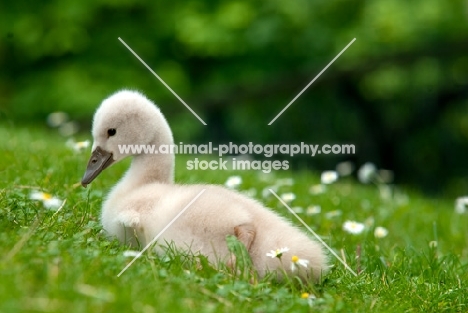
304, 295
294, 258
47, 196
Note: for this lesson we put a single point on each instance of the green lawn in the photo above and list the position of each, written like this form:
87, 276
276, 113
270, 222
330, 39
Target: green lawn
58, 261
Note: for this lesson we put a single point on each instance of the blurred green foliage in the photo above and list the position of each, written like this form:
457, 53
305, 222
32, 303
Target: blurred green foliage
399, 93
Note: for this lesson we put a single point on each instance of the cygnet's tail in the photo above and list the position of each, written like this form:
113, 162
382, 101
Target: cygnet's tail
302, 256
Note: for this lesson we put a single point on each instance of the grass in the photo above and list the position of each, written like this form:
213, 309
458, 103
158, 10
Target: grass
59, 262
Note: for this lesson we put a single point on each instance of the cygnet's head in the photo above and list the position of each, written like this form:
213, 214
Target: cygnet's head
125, 118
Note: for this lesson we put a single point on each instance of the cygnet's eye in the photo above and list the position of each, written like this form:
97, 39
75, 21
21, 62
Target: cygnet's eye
111, 132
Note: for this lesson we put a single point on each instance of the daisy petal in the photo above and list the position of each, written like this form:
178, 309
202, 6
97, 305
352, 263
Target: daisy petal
131, 253
461, 205
353, 227
367, 173
233, 182
329, 177
53, 203
380, 232
288, 197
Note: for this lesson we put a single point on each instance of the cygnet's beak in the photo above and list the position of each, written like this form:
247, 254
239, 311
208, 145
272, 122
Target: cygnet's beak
100, 159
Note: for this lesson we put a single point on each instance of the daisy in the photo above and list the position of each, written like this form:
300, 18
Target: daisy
461, 204
297, 209
328, 177
295, 262
233, 182
288, 197
367, 173
317, 189
353, 227
78, 146
131, 253
278, 253
380, 232
313, 209
47, 199
308, 296
333, 214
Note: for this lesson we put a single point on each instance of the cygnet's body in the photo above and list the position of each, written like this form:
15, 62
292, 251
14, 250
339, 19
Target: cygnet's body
146, 200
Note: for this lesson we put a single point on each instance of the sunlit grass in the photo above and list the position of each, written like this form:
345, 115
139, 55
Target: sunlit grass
58, 261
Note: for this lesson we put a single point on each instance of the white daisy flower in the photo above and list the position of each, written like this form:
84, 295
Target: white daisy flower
353, 227
277, 253
306, 295
328, 177
49, 201
461, 205
314, 209
345, 168
317, 189
295, 262
333, 214
309, 297
367, 173
380, 232
297, 209
288, 197
131, 253
78, 146
233, 182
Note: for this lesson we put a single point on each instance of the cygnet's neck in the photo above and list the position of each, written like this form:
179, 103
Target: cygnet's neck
149, 168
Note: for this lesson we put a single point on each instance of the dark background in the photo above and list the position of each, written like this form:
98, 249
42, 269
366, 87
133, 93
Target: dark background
399, 93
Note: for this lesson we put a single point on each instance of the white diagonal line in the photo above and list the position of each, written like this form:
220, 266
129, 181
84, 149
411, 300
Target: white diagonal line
314, 233
161, 232
305, 88
162, 81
